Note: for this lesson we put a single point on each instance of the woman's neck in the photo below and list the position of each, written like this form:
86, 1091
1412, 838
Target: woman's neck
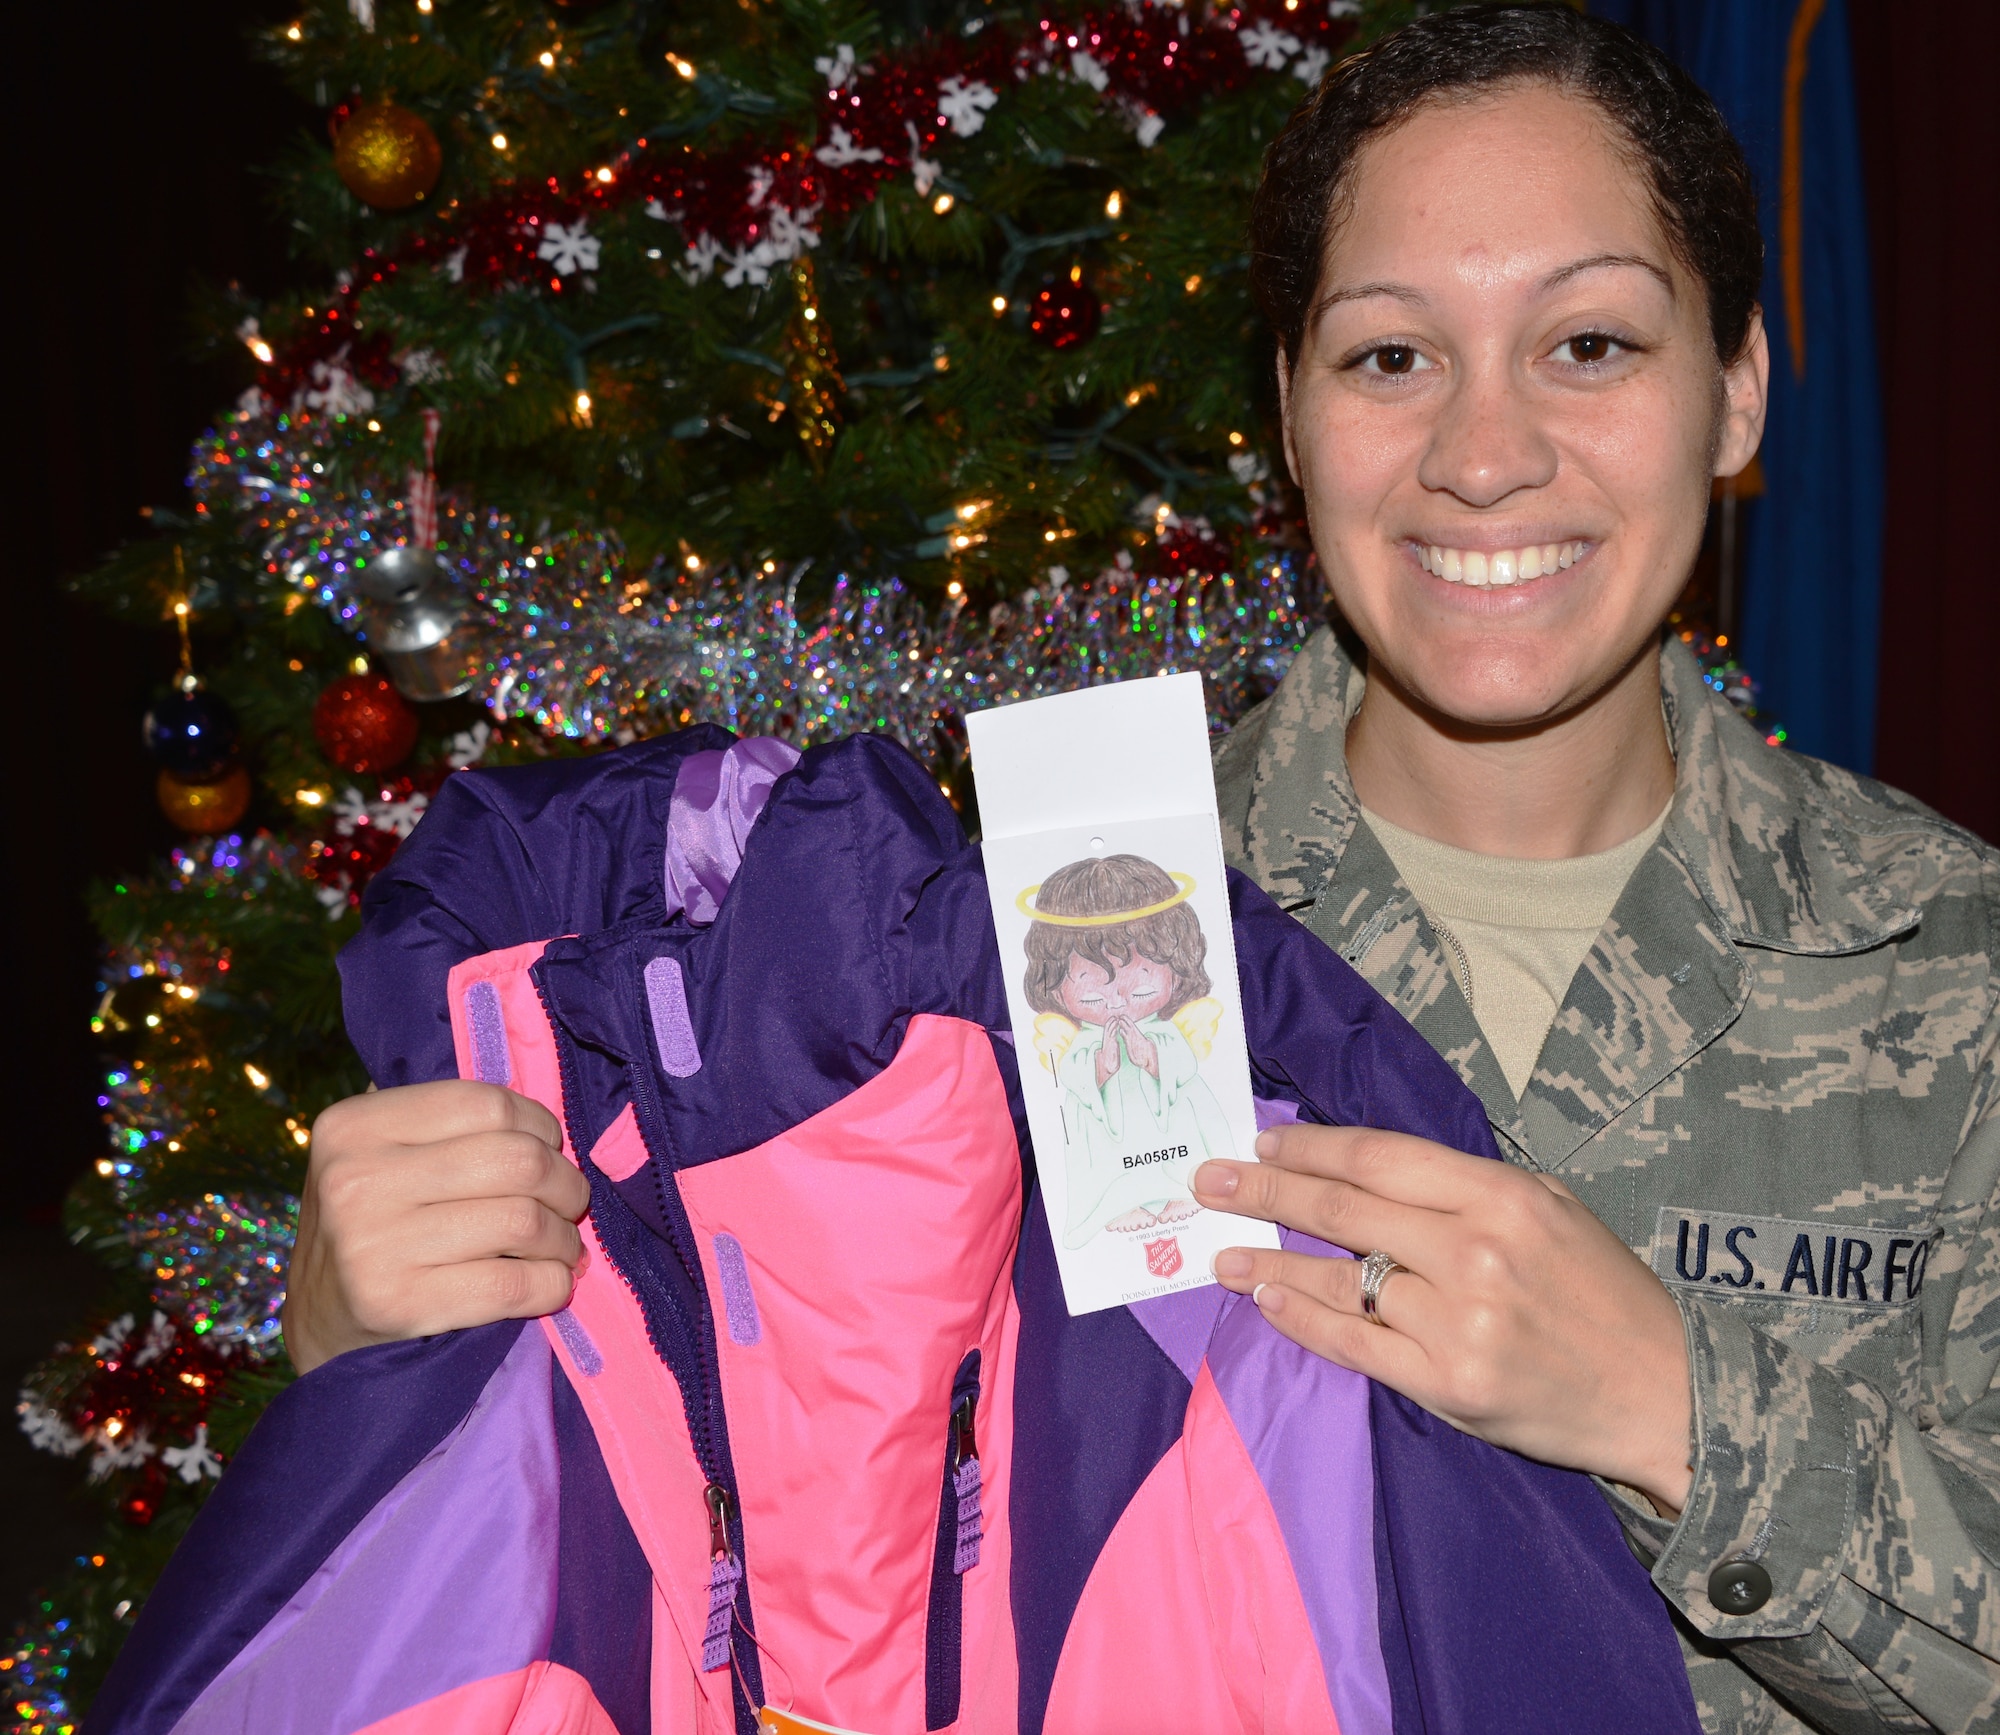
1578, 785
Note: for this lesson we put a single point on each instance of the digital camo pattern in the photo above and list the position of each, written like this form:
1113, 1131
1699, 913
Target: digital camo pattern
1790, 1015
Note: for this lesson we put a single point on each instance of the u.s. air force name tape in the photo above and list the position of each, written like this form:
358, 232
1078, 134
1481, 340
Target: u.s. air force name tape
1780, 1259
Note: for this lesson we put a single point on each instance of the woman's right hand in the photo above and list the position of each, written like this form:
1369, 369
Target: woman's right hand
427, 1208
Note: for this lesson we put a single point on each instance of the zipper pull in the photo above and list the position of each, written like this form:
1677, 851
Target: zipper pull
965, 1444
725, 1573
965, 1482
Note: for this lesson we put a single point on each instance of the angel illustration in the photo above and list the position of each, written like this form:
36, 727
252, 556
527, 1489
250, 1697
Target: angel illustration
1125, 1019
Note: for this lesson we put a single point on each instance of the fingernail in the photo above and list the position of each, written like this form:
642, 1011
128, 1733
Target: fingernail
1268, 1299
582, 1261
1232, 1262
1267, 1145
1219, 1179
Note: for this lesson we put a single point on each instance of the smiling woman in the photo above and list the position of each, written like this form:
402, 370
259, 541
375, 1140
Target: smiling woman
1711, 993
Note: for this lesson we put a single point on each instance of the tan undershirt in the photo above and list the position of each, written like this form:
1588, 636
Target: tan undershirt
1515, 931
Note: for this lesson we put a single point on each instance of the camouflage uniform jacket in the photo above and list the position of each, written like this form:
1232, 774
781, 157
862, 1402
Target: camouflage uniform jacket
1775, 1076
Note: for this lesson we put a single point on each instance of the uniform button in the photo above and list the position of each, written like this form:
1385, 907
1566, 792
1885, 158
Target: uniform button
1739, 1587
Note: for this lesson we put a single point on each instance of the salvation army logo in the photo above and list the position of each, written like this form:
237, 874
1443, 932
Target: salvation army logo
1163, 1258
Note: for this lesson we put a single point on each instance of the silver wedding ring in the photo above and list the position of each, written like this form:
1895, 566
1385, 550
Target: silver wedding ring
1376, 1270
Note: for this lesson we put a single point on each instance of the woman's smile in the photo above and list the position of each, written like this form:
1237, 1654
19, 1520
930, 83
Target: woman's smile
1484, 568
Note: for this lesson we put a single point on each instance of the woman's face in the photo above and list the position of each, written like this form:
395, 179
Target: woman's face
1508, 377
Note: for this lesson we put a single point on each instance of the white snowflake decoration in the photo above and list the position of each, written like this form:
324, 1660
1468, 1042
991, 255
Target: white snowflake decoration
45, 1428
125, 1450
194, 1460
963, 102
468, 746
1089, 70
1267, 45
704, 253
335, 391
353, 809
1311, 65
838, 69
923, 171
841, 150
569, 248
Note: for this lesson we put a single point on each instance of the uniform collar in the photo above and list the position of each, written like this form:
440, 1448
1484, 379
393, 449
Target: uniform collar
1752, 825
1752, 855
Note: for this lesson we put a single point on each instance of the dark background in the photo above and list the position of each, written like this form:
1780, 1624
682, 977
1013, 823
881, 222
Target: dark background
140, 129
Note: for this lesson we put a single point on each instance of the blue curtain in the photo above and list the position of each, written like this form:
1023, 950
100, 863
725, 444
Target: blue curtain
1812, 546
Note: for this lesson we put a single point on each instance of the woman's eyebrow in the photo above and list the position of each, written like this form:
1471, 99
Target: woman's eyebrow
1367, 292
1606, 261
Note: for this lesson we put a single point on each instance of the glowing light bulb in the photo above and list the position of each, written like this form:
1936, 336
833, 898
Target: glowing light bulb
1235, 439
1193, 283
943, 203
1048, 536
374, 427
548, 58
424, 6
811, 313
583, 408
1115, 205
259, 348
1076, 274
293, 33
999, 304
259, 1080
499, 141
954, 588
684, 67
694, 563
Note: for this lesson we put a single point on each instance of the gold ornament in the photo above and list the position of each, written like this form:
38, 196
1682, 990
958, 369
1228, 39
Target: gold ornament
205, 807
815, 370
387, 156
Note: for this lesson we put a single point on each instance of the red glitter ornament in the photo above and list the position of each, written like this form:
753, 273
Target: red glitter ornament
1191, 547
1065, 312
363, 724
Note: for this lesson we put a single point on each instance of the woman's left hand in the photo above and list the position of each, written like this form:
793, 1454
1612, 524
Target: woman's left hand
1517, 1316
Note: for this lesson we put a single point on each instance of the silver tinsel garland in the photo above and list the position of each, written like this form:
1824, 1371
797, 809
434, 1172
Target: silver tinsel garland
560, 630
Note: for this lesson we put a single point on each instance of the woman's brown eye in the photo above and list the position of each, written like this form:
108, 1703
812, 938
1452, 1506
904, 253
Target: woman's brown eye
1591, 347
1396, 359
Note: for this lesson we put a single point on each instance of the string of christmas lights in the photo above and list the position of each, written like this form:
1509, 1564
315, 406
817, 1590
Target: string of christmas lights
750, 206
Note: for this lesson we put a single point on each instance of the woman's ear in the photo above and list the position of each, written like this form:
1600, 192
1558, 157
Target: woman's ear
1746, 398
1284, 368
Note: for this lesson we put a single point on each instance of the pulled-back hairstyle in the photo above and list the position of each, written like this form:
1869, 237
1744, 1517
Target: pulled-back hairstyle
1695, 171
1104, 886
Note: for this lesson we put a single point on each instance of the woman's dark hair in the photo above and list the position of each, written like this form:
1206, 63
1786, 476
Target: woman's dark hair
1108, 886
1701, 187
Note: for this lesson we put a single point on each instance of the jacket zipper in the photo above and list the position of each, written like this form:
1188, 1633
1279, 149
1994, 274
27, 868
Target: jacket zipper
677, 1338
955, 1552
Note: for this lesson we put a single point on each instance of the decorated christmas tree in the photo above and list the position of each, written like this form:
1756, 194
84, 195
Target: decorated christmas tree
796, 366
788, 364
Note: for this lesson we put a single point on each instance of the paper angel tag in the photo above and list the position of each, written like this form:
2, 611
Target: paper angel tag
1103, 860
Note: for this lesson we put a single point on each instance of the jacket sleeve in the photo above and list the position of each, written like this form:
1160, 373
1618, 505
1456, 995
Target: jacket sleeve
1878, 1521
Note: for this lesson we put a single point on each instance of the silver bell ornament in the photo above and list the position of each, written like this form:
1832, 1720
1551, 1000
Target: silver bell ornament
411, 614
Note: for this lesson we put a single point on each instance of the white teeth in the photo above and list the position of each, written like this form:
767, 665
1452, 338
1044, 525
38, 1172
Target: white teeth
1502, 567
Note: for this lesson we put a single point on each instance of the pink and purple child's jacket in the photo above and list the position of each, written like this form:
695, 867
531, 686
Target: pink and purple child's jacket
816, 1430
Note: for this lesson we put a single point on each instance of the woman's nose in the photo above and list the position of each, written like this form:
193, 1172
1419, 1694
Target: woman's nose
1488, 442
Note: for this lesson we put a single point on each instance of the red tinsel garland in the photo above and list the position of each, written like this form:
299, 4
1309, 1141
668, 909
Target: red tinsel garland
878, 120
